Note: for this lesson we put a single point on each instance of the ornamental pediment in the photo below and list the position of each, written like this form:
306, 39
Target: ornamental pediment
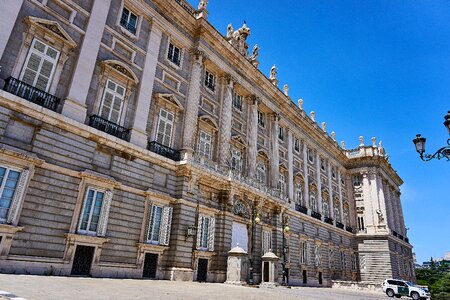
51, 26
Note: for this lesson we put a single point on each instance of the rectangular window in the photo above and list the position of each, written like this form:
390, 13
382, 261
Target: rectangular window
40, 65
174, 54
281, 133
266, 241
282, 183
128, 20
331, 258
205, 233
160, 219
237, 101
205, 144
9, 179
310, 156
342, 260
165, 126
261, 119
112, 101
91, 211
236, 160
210, 81
303, 252
261, 173
297, 145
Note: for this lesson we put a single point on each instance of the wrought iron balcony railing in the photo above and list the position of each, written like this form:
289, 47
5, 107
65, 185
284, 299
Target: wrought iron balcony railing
301, 209
339, 225
406, 240
395, 233
30, 93
316, 215
164, 150
328, 220
349, 229
109, 127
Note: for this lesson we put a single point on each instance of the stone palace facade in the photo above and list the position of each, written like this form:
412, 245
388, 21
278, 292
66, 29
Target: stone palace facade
138, 141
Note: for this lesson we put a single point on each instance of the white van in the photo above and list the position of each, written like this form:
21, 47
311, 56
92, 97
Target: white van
398, 288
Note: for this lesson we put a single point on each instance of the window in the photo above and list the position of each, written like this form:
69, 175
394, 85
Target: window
322, 164
205, 144
333, 172
361, 223
281, 133
236, 160
112, 101
128, 20
174, 54
326, 208
205, 233
317, 255
310, 156
40, 65
91, 211
261, 172
282, 183
342, 260
298, 193
297, 145
159, 222
303, 252
266, 241
312, 202
261, 119
210, 81
237, 101
164, 130
331, 258
9, 179
354, 262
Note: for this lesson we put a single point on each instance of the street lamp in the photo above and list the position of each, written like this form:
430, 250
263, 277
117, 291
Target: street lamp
255, 220
285, 227
443, 152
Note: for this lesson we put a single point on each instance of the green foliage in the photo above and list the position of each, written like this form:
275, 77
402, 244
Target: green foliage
437, 279
441, 288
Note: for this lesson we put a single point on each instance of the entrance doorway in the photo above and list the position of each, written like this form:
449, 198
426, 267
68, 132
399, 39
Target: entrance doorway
202, 269
266, 272
320, 278
82, 261
150, 264
305, 276
239, 236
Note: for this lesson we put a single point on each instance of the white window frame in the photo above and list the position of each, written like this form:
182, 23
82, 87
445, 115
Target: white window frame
342, 256
296, 145
94, 198
237, 101
261, 169
167, 122
43, 57
304, 252
130, 12
205, 236
236, 159
331, 259
317, 255
171, 54
298, 193
266, 241
163, 231
310, 154
261, 119
282, 183
17, 190
114, 93
203, 141
210, 81
281, 133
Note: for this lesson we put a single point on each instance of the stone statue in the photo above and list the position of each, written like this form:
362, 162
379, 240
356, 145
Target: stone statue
313, 116
361, 141
286, 89
343, 145
202, 4
230, 32
300, 103
380, 216
333, 135
273, 72
238, 38
255, 53
324, 126
374, 142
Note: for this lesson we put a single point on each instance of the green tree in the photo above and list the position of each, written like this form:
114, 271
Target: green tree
441, 289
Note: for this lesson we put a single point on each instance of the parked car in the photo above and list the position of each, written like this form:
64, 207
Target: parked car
399, 288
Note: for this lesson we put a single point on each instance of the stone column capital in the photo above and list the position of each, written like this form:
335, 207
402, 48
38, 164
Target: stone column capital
276, 116
199, 55
253, 99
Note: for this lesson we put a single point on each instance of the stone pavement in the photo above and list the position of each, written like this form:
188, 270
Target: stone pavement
51, 287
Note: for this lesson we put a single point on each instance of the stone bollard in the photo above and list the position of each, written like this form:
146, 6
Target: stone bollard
237, 266
269, 260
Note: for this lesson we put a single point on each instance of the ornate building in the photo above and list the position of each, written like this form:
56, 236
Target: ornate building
137, 141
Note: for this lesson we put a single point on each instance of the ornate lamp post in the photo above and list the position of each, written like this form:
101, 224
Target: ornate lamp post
255, 220
443, 152
285, 227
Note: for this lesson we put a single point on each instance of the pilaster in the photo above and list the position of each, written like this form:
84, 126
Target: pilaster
382, 218
330, 188
191, 112
75, 103
138, 131
341, 202
290, 167
305, 175
252, 135
319, 184
225, 122
274, 153
8, 16
368, 207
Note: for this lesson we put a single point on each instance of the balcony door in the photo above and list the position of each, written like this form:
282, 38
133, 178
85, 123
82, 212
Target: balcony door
112, 101
239, 236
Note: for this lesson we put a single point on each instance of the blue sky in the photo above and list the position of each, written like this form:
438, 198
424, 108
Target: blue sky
371, 68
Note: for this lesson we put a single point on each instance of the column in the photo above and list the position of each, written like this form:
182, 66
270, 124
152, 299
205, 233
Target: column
225, 122
394, 210
389, 209
341, 205
290, 166
305, 175
191, 112
75, 103
252, 137
368, 210
400, 216
138, 131
319, 184
8, 16
330, 188
274, 155
381, 202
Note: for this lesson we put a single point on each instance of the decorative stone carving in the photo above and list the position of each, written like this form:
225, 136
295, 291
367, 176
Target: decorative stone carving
104, 214
286, 89
238, 38
333, 136
240, 209
361, 141
380, 216
300, 103
374, 142
343, 145
313, 116
273, 75
254, 57
380, 149
17, 200
324, 126
202, 4
230, 32
225, 123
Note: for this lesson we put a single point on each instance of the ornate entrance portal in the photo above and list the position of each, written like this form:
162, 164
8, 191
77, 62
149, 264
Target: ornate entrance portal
240, 236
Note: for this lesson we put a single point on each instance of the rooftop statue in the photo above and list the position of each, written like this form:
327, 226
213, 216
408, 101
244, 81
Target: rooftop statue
202, 4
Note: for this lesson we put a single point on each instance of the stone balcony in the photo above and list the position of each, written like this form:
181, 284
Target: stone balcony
365, 151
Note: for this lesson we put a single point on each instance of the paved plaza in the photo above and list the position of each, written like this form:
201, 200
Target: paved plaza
49, 287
